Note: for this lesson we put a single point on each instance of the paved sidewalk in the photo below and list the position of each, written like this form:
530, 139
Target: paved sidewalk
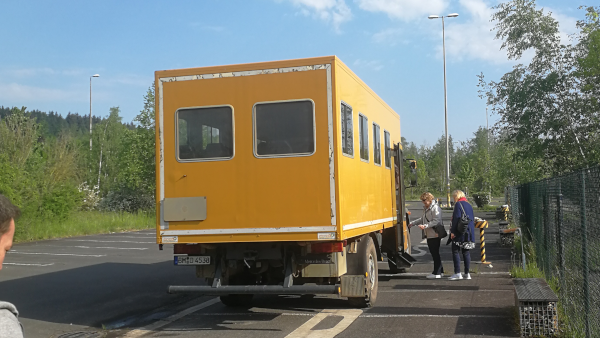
482, 306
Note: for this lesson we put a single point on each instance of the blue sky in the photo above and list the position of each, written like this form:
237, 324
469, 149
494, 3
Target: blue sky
49, 50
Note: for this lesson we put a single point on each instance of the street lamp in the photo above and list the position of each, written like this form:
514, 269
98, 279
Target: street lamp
95, 75
453, 15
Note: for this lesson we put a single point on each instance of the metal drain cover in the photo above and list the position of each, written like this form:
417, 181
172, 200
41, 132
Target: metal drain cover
81, 334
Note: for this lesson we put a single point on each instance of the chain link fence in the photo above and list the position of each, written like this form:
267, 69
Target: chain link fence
560, 216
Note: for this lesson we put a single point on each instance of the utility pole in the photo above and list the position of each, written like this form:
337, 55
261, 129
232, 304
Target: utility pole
453, 15
95, 75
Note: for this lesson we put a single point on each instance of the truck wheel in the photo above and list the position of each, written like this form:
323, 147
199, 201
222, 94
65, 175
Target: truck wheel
237, 300
365, 261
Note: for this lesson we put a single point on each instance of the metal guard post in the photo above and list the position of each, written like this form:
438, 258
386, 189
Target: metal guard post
481, 225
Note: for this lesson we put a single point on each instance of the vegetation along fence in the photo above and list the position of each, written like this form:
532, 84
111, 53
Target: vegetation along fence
561, 218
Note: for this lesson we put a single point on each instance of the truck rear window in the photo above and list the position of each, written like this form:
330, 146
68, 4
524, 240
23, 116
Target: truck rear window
284, 128
205, 133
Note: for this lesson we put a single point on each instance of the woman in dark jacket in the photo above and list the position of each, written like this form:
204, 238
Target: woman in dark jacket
461, 242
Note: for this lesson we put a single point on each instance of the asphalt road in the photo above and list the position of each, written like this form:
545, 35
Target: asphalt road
115, 286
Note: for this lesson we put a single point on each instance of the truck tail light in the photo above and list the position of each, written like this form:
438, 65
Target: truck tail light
327, 247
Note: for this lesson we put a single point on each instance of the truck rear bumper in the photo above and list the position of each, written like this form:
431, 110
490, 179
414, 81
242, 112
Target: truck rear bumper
257, 289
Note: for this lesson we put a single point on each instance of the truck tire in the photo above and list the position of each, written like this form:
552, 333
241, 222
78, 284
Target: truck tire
365, 262
237, 300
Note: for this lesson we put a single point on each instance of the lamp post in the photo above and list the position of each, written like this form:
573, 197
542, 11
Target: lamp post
453, 15
95, 75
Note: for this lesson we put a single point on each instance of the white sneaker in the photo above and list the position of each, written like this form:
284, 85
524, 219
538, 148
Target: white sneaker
467, 276
456, 276
432, 276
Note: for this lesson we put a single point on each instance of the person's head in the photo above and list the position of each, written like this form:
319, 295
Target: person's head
458, 194
426, 198
8, 214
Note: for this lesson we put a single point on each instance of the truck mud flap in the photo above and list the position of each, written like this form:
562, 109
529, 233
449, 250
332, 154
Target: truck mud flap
257, 289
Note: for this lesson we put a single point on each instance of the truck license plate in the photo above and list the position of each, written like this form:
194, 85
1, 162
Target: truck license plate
192, 260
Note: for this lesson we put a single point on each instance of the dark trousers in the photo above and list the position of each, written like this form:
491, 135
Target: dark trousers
456, 258
434, 249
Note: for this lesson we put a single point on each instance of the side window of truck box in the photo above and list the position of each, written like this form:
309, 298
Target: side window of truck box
376, 144
363, 135
347, 130
388, 157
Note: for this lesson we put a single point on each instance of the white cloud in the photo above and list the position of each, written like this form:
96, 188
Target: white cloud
405, 9
391, 36
204, 27
334, 11
373, 64
566, 25
44, 71
17, 92
475, 39
471, 37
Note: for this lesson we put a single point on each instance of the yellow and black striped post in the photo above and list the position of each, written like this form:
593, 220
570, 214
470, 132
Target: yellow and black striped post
481, 225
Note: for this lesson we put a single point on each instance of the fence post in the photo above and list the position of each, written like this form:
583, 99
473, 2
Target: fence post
586, 286
559, 235
546, 229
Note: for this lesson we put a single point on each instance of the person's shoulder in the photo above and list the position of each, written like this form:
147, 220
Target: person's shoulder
9, 323
9, 307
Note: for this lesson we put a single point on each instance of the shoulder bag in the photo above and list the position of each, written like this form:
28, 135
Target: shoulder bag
439, 229
463, 221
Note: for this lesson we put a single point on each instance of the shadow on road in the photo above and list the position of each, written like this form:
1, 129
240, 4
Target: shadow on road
96, 294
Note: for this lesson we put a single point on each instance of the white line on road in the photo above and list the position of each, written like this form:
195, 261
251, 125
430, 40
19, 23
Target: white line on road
363, 315
105, 247
436, 316
305, 330
95, 247
420, 253
429, 290
28, 264
157, 325
119, 236
100, 241
53, 254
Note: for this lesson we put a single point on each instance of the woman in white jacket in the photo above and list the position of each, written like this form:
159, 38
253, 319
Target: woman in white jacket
432, 218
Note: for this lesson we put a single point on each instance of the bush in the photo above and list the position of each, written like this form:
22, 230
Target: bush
61, 201
91, 197
126, 199
481, 199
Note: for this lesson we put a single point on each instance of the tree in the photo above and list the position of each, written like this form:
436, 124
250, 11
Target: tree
137, 170
543, 111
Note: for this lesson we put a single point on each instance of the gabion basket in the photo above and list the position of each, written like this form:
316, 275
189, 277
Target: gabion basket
537, 307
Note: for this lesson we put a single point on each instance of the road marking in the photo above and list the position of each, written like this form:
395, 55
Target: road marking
28, 264
95, 247
158, 324
101, 241
105, 247
418, 254
53, 254
305, 330
363, 315
429, 290
145, 237
405, 274
434, 316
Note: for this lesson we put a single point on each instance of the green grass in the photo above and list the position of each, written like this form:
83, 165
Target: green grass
81, 223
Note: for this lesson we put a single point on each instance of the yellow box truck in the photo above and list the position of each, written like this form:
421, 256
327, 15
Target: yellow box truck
279, 177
